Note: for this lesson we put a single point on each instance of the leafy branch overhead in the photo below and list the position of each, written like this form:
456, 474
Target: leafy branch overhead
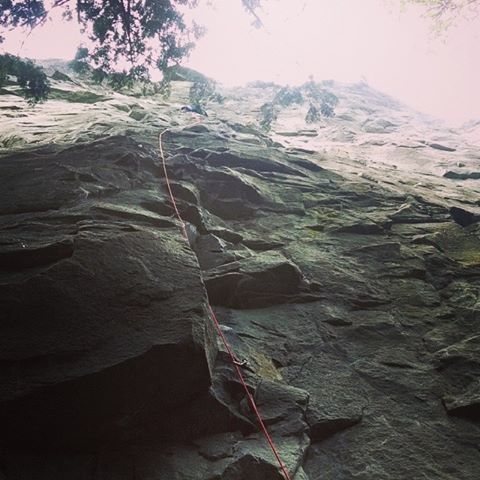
129, 37
146, 33
142, 33
444, 13
138, 33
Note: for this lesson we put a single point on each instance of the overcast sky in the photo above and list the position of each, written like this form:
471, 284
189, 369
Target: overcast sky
345, 40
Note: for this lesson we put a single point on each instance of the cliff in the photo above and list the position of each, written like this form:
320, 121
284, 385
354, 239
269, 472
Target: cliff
342, 260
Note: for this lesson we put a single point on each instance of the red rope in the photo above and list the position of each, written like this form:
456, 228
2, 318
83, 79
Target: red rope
167, 180
233, 358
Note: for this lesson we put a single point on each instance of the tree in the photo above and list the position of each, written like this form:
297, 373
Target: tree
134, 35
444, 13
31, 79
321, 101
141, 33
137, 33
146, 33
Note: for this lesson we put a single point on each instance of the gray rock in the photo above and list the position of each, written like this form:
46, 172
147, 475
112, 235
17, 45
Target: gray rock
361, 228
76, 96
466, 405
343, 276
462, 174
211, 251
463, 217
114, 305
264, 279
57, 75
444, 148
323, 424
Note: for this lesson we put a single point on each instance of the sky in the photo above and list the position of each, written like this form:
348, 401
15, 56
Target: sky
345, 40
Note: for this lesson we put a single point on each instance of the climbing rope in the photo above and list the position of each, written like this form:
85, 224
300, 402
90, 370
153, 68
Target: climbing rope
236, 364
167, 181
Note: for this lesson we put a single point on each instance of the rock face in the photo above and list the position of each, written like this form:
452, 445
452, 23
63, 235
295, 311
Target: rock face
351, 301
103, 323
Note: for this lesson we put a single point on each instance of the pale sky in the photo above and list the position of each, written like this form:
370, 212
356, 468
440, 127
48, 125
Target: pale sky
343, 40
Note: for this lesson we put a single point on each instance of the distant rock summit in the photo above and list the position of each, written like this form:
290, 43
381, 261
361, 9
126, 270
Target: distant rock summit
341, 258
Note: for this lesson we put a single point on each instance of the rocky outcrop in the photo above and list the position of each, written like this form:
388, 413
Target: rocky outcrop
104, 332
351, 301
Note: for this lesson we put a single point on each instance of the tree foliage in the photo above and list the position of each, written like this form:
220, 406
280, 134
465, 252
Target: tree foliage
287, 96
140, 33
136, 33
32, 79
444, 13
321, 102
146, 33
128, 37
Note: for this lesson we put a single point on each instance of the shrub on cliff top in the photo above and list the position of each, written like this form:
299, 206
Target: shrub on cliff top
31, 78
321, 103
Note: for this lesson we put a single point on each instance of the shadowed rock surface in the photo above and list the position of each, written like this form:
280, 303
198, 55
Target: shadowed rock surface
346, 280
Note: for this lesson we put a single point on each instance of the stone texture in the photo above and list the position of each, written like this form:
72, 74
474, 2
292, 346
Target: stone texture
103, 324
466, 405
343, 267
